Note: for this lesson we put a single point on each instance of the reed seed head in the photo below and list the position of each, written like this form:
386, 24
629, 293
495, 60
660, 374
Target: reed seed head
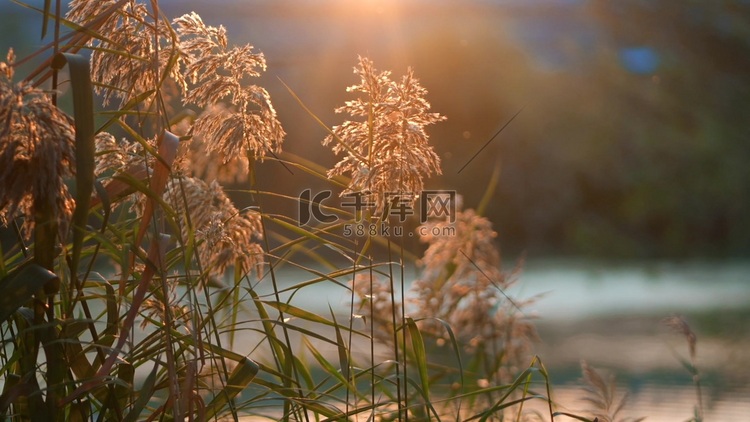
239, 121
225, 236
37, 153
462, 283
133, 52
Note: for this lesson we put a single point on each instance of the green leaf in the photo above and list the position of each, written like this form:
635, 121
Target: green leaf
20, 285
83, 113
341, 346
45, 23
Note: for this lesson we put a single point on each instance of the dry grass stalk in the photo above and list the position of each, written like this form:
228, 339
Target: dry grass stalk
197, 161
115, 156
461, 284
680, 325
179, 313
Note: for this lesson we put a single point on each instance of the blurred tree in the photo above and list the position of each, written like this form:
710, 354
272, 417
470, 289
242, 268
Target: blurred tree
643, 152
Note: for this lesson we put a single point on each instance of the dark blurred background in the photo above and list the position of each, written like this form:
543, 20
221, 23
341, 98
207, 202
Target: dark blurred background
633, 139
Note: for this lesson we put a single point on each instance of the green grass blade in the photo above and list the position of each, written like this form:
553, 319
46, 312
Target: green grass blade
239, 379
294, 311
344, 360
45, 22
502, 403
420, 354
328, 367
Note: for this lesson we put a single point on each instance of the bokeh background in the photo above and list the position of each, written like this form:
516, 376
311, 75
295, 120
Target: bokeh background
633, 139
625, 179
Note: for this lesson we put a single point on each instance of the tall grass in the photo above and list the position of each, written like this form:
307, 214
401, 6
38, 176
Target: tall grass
138, 290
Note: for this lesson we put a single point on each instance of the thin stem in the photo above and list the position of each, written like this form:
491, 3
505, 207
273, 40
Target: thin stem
396, 352
372, 337
403, 328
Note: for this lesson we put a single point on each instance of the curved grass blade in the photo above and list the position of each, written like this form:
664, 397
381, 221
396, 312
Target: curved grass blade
425, 410
570, 415
239, 379
457, 352
323, 125
294, 311
20, 285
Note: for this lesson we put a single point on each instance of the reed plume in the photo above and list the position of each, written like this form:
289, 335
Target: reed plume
133, 53
386, 152
462, 282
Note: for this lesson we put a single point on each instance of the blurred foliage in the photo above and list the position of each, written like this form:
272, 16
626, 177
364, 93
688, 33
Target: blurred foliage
657, 160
